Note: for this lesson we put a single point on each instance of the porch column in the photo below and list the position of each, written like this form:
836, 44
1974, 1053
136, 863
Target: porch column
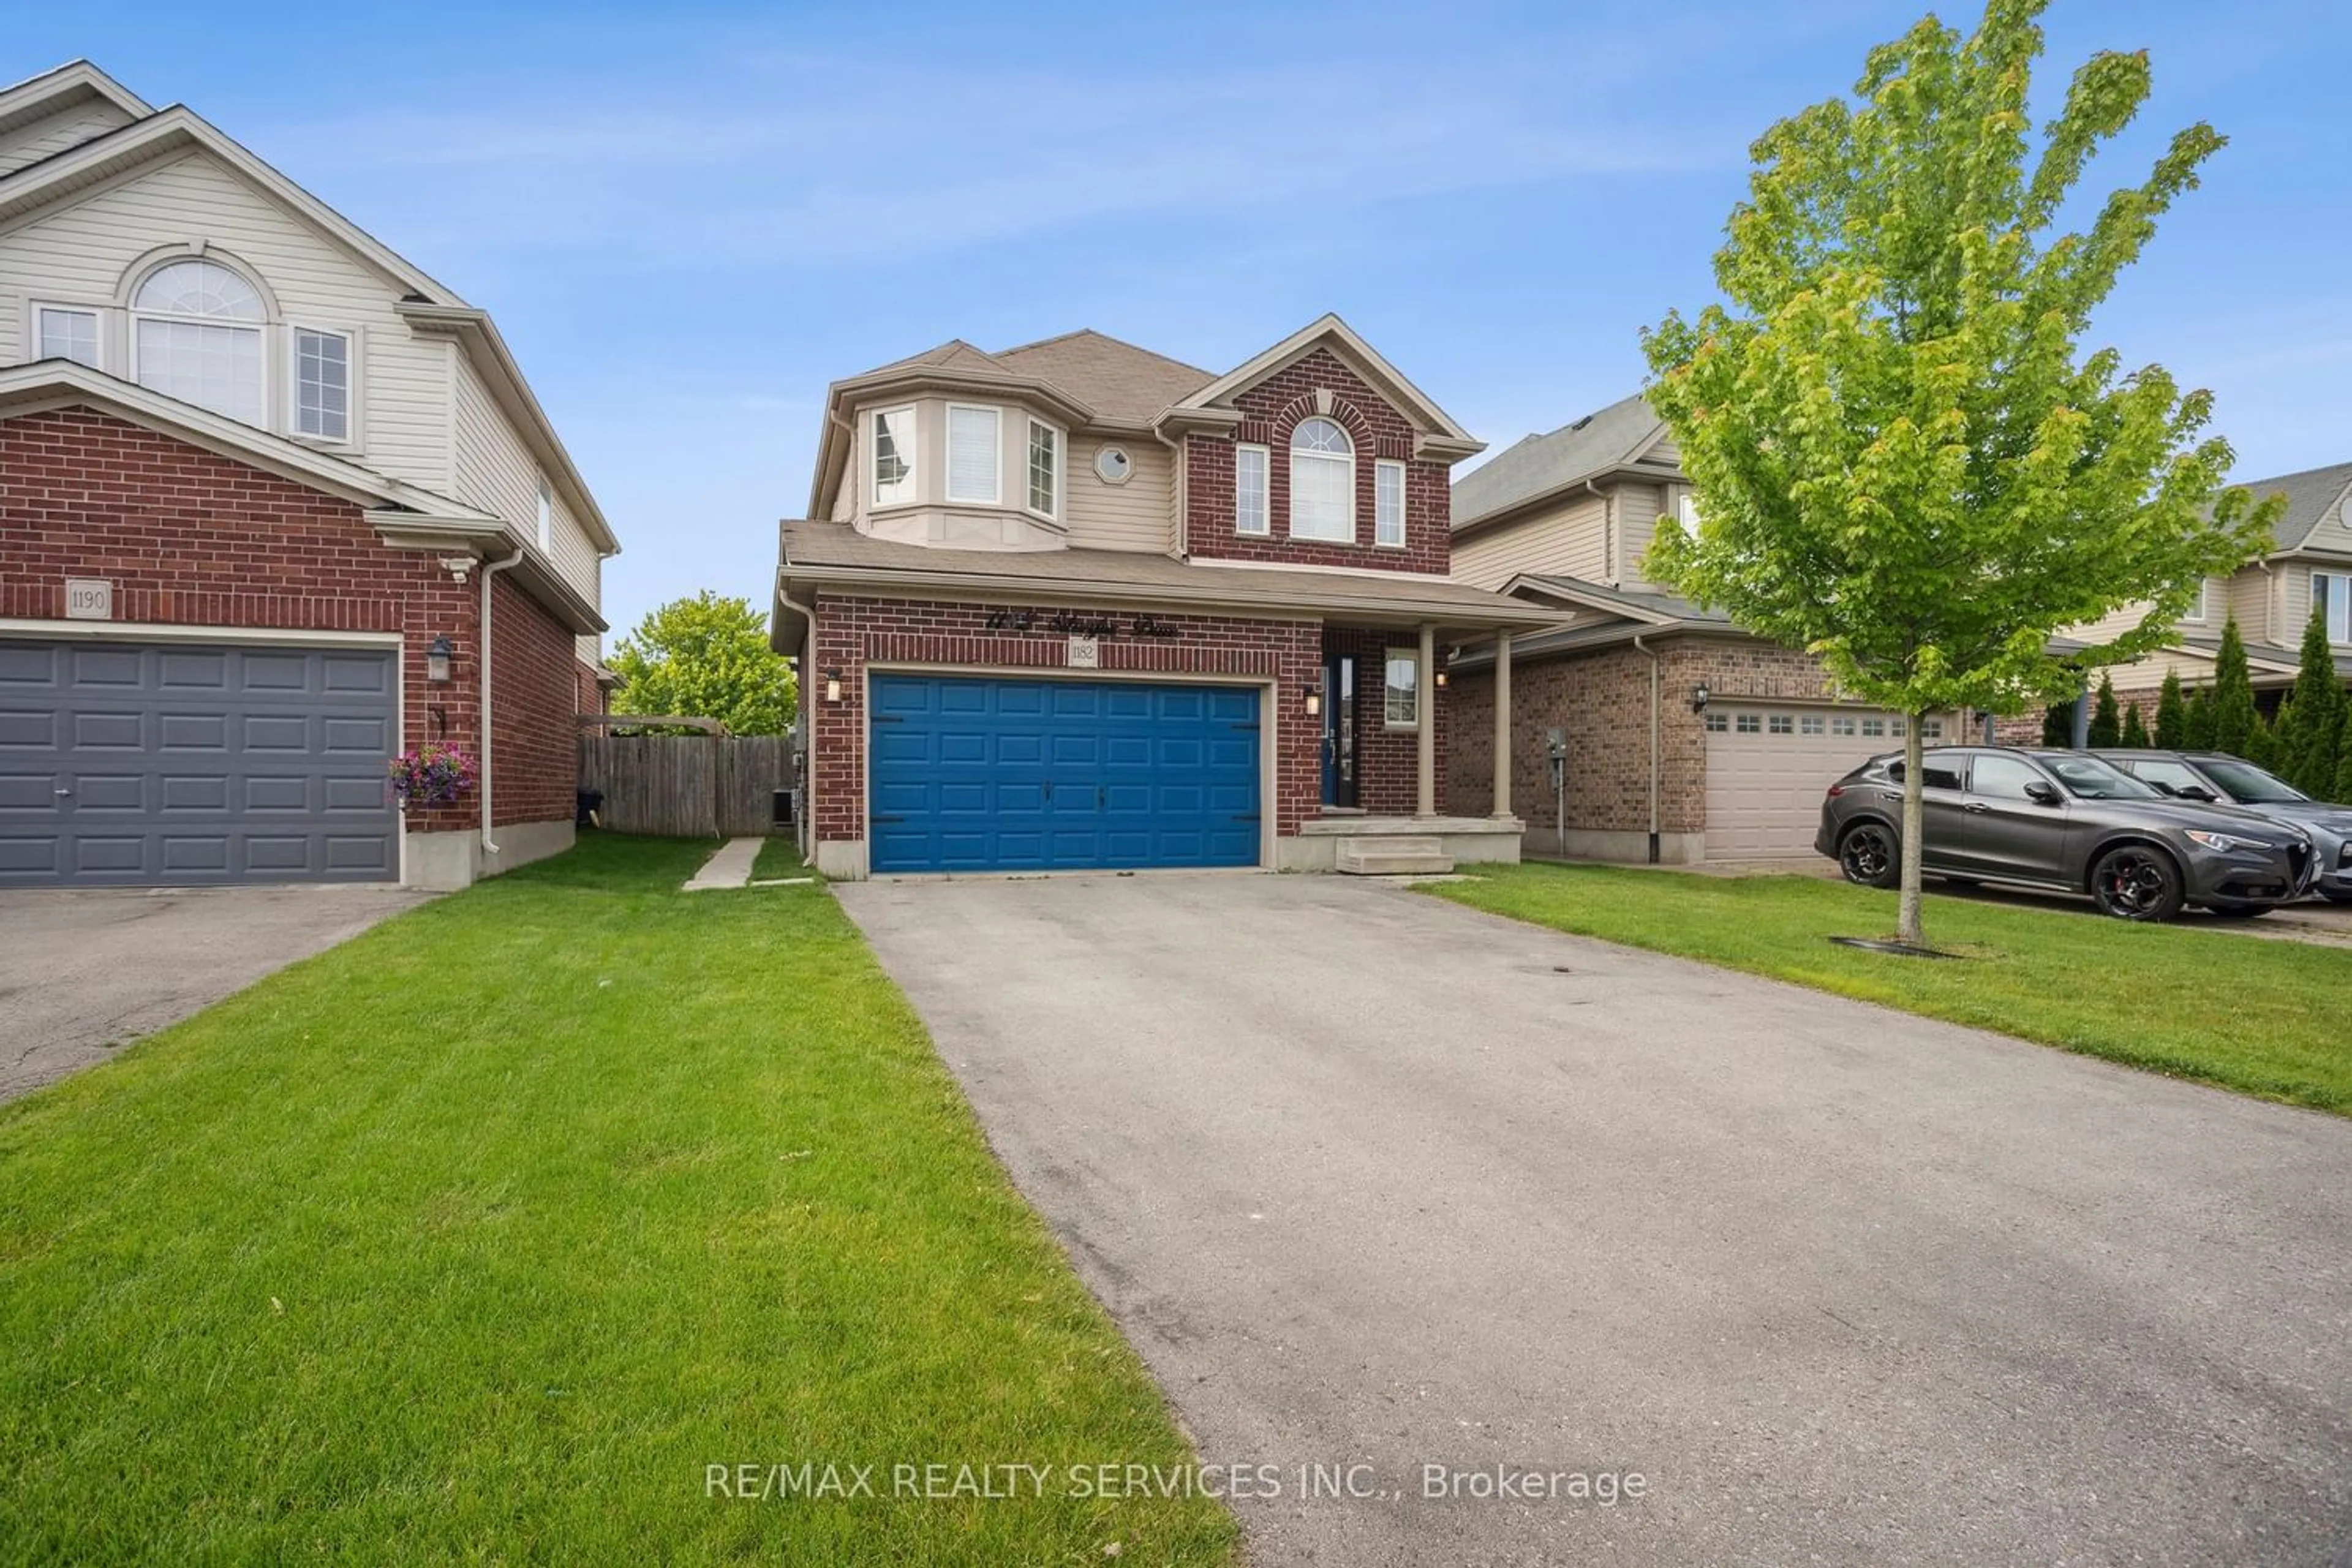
1427, 678
1502, 723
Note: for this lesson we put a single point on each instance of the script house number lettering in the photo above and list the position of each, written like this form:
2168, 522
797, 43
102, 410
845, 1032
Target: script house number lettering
1081, 626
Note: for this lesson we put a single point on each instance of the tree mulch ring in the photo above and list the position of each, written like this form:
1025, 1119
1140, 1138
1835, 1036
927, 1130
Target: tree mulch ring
1888, 944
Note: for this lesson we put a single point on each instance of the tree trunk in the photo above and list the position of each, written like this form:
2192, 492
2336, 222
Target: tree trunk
1914, 821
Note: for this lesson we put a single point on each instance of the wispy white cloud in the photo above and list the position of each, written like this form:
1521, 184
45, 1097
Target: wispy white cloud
828, 164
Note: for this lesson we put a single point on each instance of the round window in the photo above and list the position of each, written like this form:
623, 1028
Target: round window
1112, 465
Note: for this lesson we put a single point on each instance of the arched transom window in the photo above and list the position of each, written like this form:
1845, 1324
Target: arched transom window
196, 331
1322, 482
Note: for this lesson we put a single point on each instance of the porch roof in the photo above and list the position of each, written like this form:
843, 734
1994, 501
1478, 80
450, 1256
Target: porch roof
835, 556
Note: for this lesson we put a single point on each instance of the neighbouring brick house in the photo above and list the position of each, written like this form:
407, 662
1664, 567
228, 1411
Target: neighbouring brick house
1652, 770
1079, 606
264, 487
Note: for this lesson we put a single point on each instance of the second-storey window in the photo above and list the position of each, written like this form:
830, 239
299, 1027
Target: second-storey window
1322, 482
894, 457
196, 335
1249, 490
972, 452
546, 519
1388, 504
68, 334
2331, 595
322, 385
1044, 469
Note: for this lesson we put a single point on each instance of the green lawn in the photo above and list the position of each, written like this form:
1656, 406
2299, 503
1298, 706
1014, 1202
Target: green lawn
481, 1237
779, 858
2263, 1018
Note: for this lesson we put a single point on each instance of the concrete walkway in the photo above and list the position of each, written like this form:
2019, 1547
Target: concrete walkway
1371, 1179
729, 867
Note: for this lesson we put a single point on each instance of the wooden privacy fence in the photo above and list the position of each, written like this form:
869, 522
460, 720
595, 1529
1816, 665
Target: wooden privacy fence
686, 787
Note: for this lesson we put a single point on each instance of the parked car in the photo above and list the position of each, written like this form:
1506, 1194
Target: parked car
2064, 820
2218, 776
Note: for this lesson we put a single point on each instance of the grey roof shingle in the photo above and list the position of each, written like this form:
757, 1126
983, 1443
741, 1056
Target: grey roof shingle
2313, 495
1539, 464
1123, 384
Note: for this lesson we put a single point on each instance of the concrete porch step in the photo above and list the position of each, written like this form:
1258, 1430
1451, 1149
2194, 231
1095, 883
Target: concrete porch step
1392, 855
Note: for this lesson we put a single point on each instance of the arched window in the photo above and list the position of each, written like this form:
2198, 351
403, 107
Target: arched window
196, 335
1322, 482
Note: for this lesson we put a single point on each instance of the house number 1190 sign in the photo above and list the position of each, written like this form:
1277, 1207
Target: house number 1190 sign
89, 599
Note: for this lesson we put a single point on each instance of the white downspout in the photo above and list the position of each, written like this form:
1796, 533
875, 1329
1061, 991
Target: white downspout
805, 830
1653, 654
490, 570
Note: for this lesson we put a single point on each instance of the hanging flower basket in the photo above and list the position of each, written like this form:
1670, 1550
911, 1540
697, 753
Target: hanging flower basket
431, 774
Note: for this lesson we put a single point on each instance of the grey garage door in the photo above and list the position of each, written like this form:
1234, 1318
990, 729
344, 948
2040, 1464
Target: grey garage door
126, 765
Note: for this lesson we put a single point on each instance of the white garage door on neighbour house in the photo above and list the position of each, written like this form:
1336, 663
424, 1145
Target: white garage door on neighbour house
1768, 768
186, 764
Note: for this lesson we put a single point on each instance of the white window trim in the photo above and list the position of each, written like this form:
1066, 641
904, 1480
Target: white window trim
996, 467
1265, 529
276, 413
1410, 656
1061, 466
349, 439
2202, 605
546, 518
1291, 522
912, 486
33, 309
1382, 466
2341, 595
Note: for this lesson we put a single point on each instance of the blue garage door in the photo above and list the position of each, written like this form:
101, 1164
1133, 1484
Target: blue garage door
999, 775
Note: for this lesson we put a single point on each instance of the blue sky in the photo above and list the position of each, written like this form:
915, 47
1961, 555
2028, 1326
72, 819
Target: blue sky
688, 220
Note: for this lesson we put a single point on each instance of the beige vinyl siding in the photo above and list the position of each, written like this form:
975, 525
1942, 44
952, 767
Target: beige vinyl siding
496, 473
2335, 529
1568, 540
853, 477
2116, 623
68, 128
1663, 451
81, 253
1638, 508
2252, 594
1137, 515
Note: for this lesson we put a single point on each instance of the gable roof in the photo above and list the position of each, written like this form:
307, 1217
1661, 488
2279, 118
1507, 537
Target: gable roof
2313, 495
38, 97
401, 512
178, 130
1441, 436
1543, 465
1123, 383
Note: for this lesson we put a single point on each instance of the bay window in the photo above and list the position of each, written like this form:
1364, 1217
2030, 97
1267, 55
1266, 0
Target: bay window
973, 449
894, 456
1322, 482
1045, 470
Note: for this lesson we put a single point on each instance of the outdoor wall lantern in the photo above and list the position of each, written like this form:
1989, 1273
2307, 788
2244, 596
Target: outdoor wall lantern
1314, 701
1700, 695
1441, 680
437, 661
833, 686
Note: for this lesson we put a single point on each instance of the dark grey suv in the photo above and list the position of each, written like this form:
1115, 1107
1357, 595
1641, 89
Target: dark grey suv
2066, 820
2233, 781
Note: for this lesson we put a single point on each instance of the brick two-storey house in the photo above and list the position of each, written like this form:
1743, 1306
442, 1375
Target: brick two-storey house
274, 505
1079, 606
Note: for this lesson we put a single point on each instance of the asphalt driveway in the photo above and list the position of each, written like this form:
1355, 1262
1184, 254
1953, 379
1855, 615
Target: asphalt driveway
1372, 1180
85, 972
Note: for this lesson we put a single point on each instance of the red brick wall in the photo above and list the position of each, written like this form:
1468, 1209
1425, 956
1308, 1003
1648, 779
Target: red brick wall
536, 762
1602, 698
1388, 761
1270, 411
851, 632
190, 538
587, 697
